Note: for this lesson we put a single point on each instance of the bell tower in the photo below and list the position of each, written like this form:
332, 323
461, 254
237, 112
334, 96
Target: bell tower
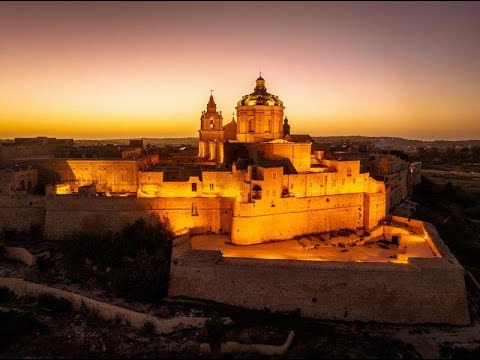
211, 133
211, 120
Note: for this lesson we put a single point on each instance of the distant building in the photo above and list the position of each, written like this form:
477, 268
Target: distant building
16, 181
31, 148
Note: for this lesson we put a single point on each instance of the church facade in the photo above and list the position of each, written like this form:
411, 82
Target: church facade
273, 176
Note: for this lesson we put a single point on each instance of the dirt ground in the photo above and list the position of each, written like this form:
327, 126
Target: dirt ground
77, 334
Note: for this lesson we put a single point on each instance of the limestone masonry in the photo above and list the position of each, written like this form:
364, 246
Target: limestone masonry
251, 173
252, 183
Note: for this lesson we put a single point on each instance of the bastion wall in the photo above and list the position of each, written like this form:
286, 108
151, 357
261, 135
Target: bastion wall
22, 213
68, 214
258, 222
422, 291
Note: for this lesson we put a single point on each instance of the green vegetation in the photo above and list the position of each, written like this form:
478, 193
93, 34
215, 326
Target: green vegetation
449, 208
449, 155
135, 261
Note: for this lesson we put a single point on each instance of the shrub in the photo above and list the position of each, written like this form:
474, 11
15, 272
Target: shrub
216, 333
92, 317
56, 305
148, 236
36, 232
148, 328
44, 264
146, 279
147, 241
3, 251
6, 294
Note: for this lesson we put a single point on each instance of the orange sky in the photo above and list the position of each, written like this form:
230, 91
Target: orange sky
104, 70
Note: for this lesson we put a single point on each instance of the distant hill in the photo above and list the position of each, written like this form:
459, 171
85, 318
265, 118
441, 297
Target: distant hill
394, 142
382, 142
152, 141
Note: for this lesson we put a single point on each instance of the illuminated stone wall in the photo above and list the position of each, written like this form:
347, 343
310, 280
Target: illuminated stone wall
422, 291
116, 176
72, 213
297, 153
260, 221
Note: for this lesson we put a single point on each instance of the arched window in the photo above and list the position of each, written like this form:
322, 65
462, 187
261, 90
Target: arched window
349, 171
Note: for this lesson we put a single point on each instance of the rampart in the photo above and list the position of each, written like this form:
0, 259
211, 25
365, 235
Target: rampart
298, 216
22, 213
420, 291
68, 214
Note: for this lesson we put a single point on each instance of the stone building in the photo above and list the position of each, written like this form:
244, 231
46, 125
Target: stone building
31, 148
17, 181
251, 172
396, 175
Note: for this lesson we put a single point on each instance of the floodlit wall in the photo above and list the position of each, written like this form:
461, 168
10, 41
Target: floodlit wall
422, 291
260, 221
297, 153
72, 213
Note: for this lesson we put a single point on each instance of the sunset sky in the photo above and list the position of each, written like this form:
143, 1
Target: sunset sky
105, 70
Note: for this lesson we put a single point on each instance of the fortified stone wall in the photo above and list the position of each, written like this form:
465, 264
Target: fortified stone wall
295, 216
21, 213
72, 213
422, 291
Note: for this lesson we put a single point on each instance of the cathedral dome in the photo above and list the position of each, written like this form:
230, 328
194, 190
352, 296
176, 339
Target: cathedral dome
260, 96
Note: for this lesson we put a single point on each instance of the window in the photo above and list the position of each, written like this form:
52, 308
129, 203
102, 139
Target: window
212, 187
334, 182
194, 209
354, 180
194, 187
22, 185
212, 122
349, 171
343, 182
256, 192
250, 125
274, 176
29, 184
